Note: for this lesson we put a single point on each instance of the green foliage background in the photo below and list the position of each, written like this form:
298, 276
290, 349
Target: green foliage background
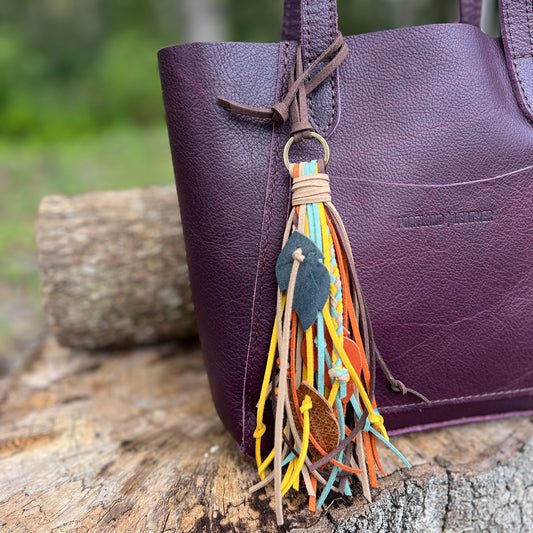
76, 66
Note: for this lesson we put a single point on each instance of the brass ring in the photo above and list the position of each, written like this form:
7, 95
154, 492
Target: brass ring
316, 136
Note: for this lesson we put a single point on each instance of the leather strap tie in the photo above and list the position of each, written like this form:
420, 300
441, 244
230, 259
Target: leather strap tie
294, 104
312, 188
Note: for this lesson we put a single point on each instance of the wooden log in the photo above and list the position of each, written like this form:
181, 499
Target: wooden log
113, 268
129, 441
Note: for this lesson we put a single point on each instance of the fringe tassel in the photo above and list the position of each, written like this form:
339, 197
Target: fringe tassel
320, 370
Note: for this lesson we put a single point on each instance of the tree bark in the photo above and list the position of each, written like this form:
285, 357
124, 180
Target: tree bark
129, 441
113, 268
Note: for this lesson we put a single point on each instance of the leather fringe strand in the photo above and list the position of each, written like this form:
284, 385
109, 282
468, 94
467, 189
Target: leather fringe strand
320, 368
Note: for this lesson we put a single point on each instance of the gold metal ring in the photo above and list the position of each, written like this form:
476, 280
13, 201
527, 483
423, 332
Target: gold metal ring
316, 136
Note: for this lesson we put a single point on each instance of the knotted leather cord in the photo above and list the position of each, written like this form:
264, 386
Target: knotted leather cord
318, 194
375, 354
370, 347
311, 188
289, 454
374, 417
300, 125
294, 103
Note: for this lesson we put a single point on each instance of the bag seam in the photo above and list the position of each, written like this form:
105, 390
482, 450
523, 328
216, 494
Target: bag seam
332, 80
446, 400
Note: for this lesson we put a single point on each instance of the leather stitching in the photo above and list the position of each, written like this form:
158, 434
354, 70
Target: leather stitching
308, 57
332, 80
332, 32
529, 25
445, 400
307, 31
514, 56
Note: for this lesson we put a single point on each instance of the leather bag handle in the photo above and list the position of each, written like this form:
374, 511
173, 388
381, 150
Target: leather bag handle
516, 20
314, 24
470, 12
299, 21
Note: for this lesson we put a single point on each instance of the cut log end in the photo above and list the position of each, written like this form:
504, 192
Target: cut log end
113, 268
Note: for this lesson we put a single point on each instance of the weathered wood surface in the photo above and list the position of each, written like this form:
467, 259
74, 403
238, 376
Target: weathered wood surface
129, 441
113, 268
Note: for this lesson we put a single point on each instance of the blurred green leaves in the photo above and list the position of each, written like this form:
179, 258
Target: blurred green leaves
75, 67
124, 84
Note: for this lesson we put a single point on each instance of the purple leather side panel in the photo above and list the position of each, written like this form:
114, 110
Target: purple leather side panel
221, 164
432, 172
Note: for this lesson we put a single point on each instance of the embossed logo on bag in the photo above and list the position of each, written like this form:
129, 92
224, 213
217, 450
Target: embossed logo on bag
443, 220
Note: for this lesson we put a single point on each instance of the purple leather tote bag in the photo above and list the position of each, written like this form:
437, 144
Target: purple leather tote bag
432, 172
